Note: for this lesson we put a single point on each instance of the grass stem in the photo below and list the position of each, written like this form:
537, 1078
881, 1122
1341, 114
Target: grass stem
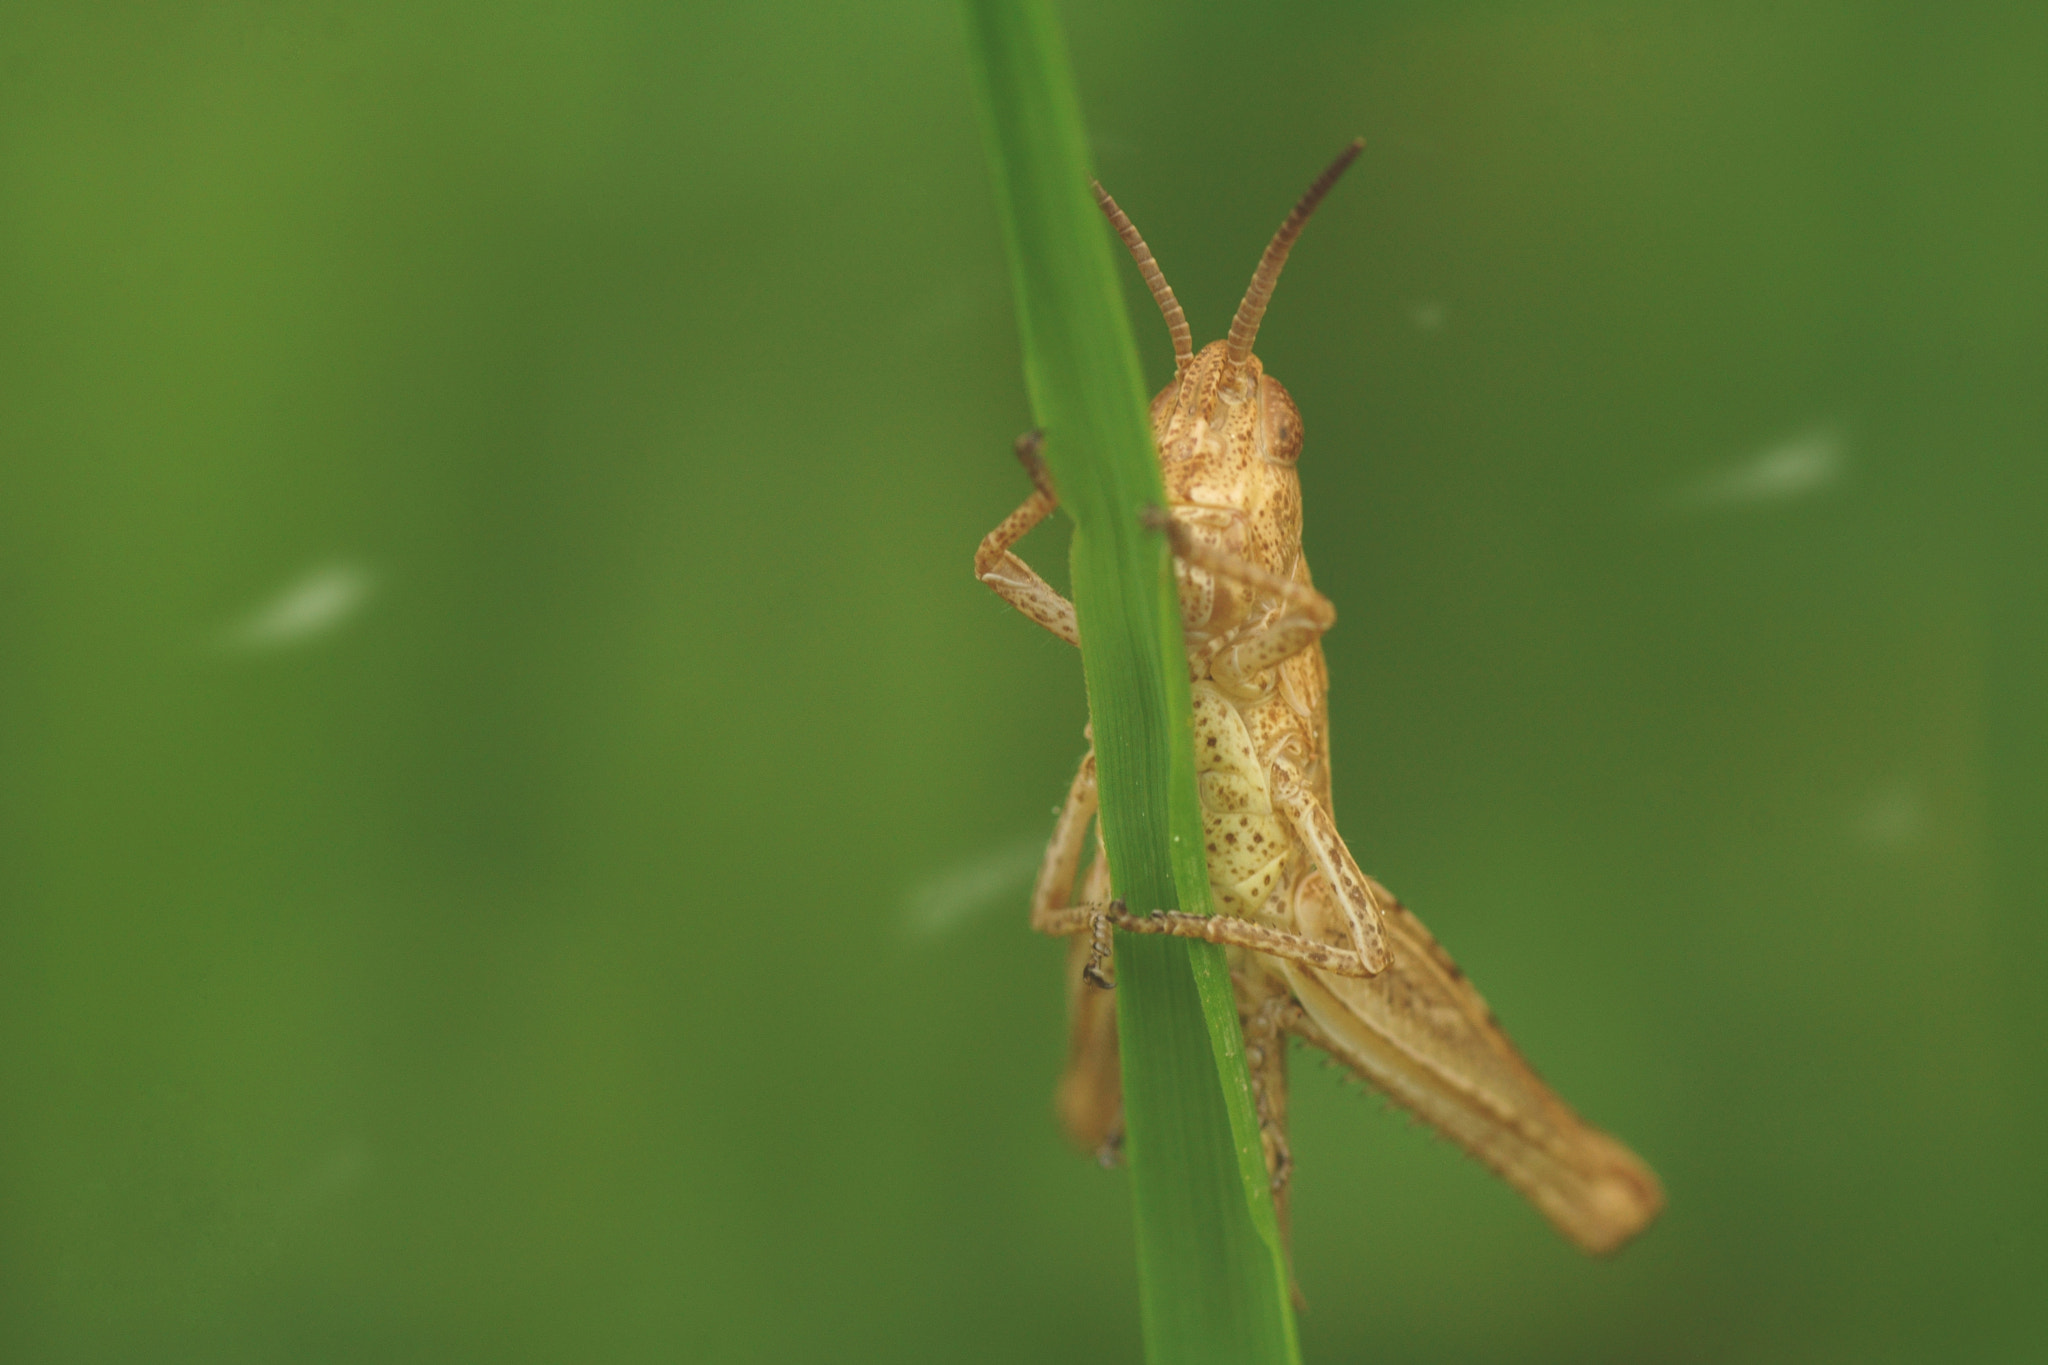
1212, 1272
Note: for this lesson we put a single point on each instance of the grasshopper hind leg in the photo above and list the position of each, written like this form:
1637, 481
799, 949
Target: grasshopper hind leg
1265, 1056
1090, 1098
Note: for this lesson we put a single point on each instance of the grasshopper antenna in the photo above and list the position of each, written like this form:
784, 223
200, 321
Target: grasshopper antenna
1155, 280
1245, 326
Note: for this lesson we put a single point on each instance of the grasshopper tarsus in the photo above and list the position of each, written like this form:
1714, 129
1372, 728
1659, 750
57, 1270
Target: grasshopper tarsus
1110, 1154
1101, 949
1028, 447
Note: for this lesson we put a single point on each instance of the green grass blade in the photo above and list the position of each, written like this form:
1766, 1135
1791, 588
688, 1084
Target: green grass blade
1212, 1273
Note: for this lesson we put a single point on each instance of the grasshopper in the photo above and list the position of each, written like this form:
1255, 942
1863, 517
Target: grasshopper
1318, 949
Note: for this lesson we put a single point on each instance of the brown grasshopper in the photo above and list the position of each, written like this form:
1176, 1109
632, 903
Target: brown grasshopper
1318, 949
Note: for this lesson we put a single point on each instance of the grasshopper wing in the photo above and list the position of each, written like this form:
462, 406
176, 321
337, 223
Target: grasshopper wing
1421, 1034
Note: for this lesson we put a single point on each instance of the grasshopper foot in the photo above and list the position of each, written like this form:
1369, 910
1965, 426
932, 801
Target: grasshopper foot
1028, 446
1100, 949
1110, 1154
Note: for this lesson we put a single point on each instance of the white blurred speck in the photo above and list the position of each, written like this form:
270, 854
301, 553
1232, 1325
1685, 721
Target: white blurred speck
320, 602
1802, 464
948, 899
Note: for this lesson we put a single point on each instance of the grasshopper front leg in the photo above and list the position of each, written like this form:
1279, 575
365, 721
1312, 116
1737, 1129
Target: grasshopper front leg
1301, 618
1012, 579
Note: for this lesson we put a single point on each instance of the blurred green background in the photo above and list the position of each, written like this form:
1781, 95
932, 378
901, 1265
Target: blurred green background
515, 815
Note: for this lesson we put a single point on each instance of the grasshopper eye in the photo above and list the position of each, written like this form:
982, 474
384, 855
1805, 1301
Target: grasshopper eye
1279, 421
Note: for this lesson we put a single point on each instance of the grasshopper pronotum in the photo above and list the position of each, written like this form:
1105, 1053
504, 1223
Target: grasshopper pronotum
1318, 949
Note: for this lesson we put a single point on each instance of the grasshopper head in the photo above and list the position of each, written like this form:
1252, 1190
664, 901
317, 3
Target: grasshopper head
1228, 433
1216, 404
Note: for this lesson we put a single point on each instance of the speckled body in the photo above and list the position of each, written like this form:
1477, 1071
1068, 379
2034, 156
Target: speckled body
1228, 445
1418, 1031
